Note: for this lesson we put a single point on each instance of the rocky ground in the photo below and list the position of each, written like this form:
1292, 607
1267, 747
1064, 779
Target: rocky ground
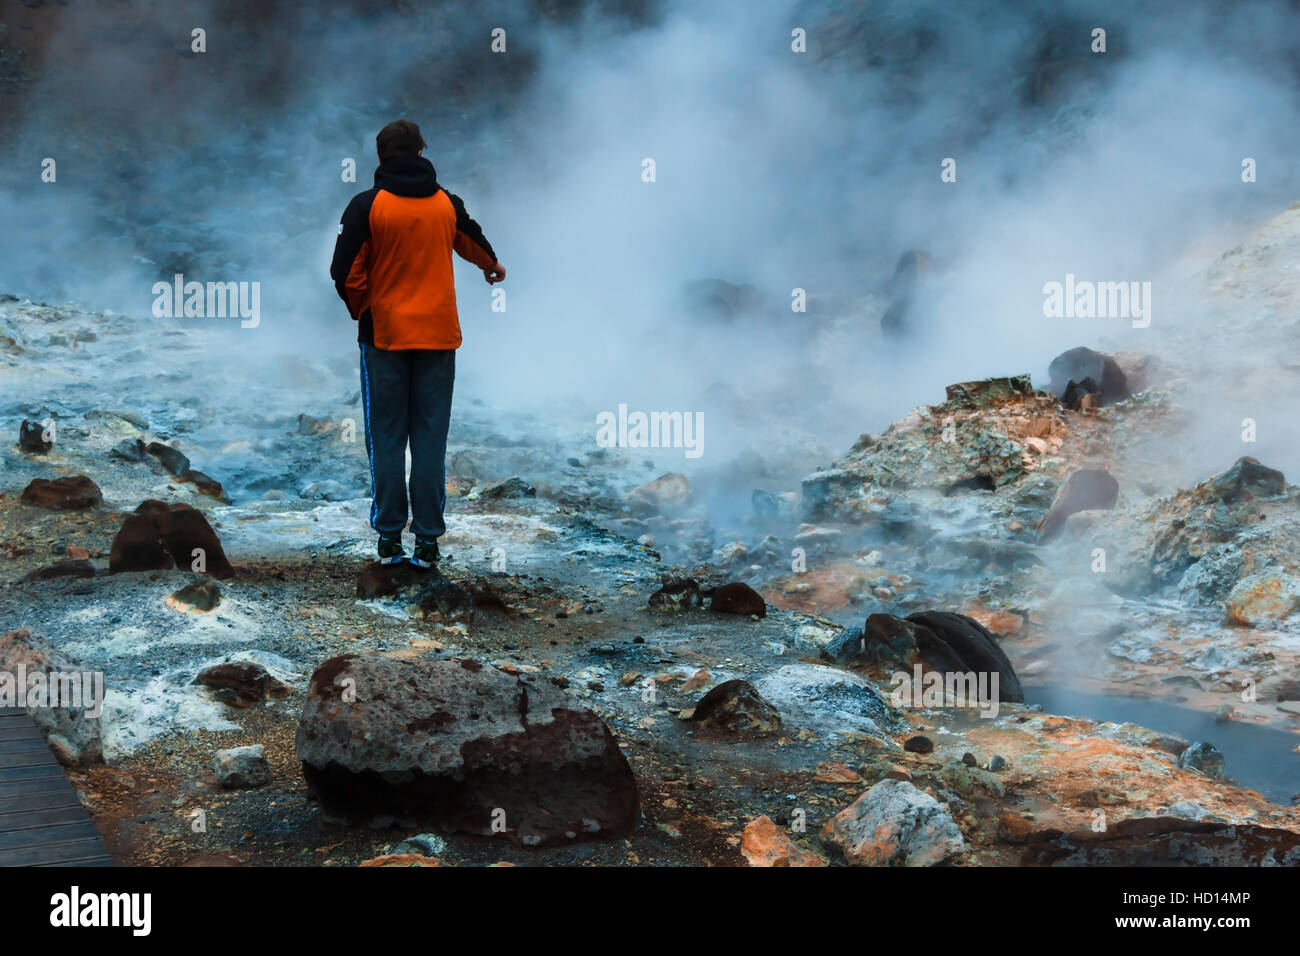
589, 580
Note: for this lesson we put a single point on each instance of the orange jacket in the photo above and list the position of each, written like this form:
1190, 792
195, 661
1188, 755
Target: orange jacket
392, 260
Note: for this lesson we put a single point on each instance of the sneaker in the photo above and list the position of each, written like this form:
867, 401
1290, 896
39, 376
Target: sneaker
426, 553
391, 551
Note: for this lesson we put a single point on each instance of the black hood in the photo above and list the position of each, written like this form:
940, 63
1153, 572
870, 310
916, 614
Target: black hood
407, 176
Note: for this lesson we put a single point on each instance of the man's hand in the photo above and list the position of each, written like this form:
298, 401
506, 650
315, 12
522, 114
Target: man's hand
495, 274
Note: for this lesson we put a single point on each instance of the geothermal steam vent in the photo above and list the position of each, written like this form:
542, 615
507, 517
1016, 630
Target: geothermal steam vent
461, 746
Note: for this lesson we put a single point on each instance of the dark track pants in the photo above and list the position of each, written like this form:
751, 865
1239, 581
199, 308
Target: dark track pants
407, 396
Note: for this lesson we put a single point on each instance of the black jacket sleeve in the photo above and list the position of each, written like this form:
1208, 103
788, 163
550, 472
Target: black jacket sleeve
469, 229
354, 230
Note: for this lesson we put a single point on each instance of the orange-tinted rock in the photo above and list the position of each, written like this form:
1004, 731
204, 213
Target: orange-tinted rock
765, 844
1014, 828
403, 859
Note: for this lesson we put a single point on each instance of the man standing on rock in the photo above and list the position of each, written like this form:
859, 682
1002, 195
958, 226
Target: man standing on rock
393, 269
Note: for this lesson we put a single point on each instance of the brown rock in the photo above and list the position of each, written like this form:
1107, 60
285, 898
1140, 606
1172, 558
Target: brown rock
738, 598
203, 595
72, 493
242, 683
206, 485
158, 537
665, 495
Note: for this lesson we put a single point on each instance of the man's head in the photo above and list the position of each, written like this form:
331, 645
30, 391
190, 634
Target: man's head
399, 138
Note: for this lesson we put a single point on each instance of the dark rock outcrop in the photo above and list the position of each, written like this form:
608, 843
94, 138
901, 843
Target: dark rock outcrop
31, 438
167, 456
1079, 364
1246, 478
202, 595
462, 746
735, 709
440, 599
1164, 841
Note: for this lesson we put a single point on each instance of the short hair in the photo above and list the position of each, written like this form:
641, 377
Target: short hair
399, 138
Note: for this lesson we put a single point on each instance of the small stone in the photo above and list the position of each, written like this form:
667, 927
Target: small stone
128, 449
736, 709
969, 760
997, 763
512, 487
242, 768
422, 844
918, 745
31, 438
201, 595
168, 457
1204, 758
894, 824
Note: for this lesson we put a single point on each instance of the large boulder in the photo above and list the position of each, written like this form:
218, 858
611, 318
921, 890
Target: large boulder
463, 747
941, 641
894, 824
72, 731
158, 536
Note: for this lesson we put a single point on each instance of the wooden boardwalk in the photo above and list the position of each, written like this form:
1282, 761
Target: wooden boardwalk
42, 823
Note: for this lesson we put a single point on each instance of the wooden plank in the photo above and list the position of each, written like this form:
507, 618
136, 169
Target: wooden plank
11, 802
29, 819
46, 771
31, 745
16, 730
35, 758
70, 852
42, 821
88, 861
48, 835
